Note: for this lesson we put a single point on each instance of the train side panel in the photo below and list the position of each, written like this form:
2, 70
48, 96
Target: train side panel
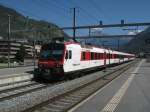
72, 58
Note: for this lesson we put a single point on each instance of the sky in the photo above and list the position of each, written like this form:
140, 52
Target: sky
88, 12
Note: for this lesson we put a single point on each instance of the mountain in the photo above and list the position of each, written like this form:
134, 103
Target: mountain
138, 44
33, 29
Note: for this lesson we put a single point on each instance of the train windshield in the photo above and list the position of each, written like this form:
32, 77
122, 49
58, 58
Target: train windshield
52, 51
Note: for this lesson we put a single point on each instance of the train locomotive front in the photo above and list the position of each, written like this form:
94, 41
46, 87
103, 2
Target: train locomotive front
50, 63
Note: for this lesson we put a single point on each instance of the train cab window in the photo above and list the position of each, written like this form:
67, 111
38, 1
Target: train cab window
52, 51
70, 54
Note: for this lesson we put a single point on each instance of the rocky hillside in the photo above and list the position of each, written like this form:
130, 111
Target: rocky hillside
138, 44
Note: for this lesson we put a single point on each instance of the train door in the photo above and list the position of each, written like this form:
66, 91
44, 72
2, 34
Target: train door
76, 58
68, 61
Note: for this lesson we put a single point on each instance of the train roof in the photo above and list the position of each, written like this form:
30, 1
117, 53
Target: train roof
92, 47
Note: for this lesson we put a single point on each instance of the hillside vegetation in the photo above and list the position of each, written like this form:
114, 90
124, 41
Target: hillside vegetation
41, 30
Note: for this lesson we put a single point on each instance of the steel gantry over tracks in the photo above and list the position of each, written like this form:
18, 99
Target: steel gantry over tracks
107, 26
74, 28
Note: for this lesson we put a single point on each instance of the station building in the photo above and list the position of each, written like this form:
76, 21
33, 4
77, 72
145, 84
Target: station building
14, 47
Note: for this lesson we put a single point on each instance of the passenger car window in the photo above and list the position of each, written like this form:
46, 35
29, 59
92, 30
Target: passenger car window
92, 56
83, 55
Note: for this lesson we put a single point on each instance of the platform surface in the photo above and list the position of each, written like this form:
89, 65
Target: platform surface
130, 92
14, 71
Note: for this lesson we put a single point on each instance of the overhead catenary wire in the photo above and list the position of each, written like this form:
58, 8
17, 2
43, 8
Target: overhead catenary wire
84, 17
85, 12
37, 16
99, 8
58, 13
98, 11
79, 13
90, 16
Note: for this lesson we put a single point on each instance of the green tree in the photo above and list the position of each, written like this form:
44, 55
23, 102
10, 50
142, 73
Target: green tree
20, 55
3, 60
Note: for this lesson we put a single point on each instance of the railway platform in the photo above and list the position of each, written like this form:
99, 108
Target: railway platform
130, 92
16, 70
13, 75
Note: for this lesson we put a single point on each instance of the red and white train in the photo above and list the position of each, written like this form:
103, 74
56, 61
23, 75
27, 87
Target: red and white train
64, 59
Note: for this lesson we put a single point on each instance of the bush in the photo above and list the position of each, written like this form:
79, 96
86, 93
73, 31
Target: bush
20, 55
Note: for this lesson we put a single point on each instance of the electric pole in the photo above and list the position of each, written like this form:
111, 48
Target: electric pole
8, 41
74, 24
34, 50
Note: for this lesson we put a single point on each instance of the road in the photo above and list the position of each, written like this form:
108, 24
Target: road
128, 93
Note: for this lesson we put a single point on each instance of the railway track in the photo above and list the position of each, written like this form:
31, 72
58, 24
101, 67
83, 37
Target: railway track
7, 88
8, 91
66, 101
20, 90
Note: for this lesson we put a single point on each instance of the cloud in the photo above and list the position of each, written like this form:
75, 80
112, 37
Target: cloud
97, 29
131, 33
139, 31
134, 32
